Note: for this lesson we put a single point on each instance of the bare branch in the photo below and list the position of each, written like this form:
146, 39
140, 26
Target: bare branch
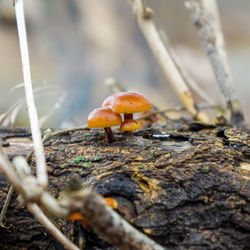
102, 218
31, 191
206, 19
151, 34
107, 222
38, 146
184, 73
51, 228
6, 204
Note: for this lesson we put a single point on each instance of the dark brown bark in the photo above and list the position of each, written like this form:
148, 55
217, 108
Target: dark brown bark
185, 188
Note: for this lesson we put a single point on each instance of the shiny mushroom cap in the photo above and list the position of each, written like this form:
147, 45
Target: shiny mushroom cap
129, 103
130, 125
109, 100
103, 117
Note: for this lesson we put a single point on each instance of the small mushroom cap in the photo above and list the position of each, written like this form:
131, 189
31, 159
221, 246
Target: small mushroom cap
130, 102
109, 100
130, 125
103, 118
111, 202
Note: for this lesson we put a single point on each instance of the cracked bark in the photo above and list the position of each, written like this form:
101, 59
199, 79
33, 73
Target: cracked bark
187, 189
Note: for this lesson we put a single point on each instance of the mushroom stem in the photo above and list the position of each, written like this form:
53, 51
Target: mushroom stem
109, 134
128, 116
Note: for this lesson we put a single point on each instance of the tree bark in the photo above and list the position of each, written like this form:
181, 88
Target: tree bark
186, 185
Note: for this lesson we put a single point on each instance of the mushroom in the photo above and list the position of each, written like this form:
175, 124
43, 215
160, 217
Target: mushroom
129, 125
104, 118
109, 100
128, 103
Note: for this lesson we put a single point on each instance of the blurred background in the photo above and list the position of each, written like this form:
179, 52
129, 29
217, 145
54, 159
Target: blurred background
75, 45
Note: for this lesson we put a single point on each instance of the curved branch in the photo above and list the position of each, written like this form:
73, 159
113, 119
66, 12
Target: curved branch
151, 34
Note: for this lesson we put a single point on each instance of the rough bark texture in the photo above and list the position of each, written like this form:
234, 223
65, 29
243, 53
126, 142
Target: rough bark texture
186, 191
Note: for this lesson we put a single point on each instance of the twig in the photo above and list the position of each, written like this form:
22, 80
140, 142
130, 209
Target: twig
205, 17
102, 218
37, 139
6, 204
108, 223
23, 189
114, 85
7, 116
52, 110
51, 228
184, 73
177, 109
49, 136
151, 34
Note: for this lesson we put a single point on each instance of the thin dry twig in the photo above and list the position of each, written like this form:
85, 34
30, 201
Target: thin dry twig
184, 73
102, 218
151, 34
50, 135
37, 139
176, 109
6, 204
23, 188
205, 17
50, 227
108, 223
9, 116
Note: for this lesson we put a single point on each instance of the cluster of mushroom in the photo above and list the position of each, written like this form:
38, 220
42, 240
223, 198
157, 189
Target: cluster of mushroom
108, 115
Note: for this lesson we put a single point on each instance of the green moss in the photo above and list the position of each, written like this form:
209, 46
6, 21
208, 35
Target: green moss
165, 152
87, 134
96, 158
87, 164
206, 168
62, 149
154, 151
78, 159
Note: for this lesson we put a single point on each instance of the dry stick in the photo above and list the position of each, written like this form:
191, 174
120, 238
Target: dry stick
108, 223
30, 193
184, 73
206, 19
177, 109
37, 139
114, 85
60, 132
51, 228
102, 218
6, 204
151, 34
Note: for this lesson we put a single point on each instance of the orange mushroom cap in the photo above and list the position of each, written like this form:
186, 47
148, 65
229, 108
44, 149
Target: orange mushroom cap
130, 125
78, 216
130, 102
103, 117
109, 100
111, 202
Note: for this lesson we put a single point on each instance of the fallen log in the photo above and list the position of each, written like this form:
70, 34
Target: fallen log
185, 185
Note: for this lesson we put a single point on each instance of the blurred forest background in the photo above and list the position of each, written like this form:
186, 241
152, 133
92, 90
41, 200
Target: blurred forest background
75, 45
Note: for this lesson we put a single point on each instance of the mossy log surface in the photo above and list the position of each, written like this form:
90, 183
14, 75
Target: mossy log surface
187, 188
